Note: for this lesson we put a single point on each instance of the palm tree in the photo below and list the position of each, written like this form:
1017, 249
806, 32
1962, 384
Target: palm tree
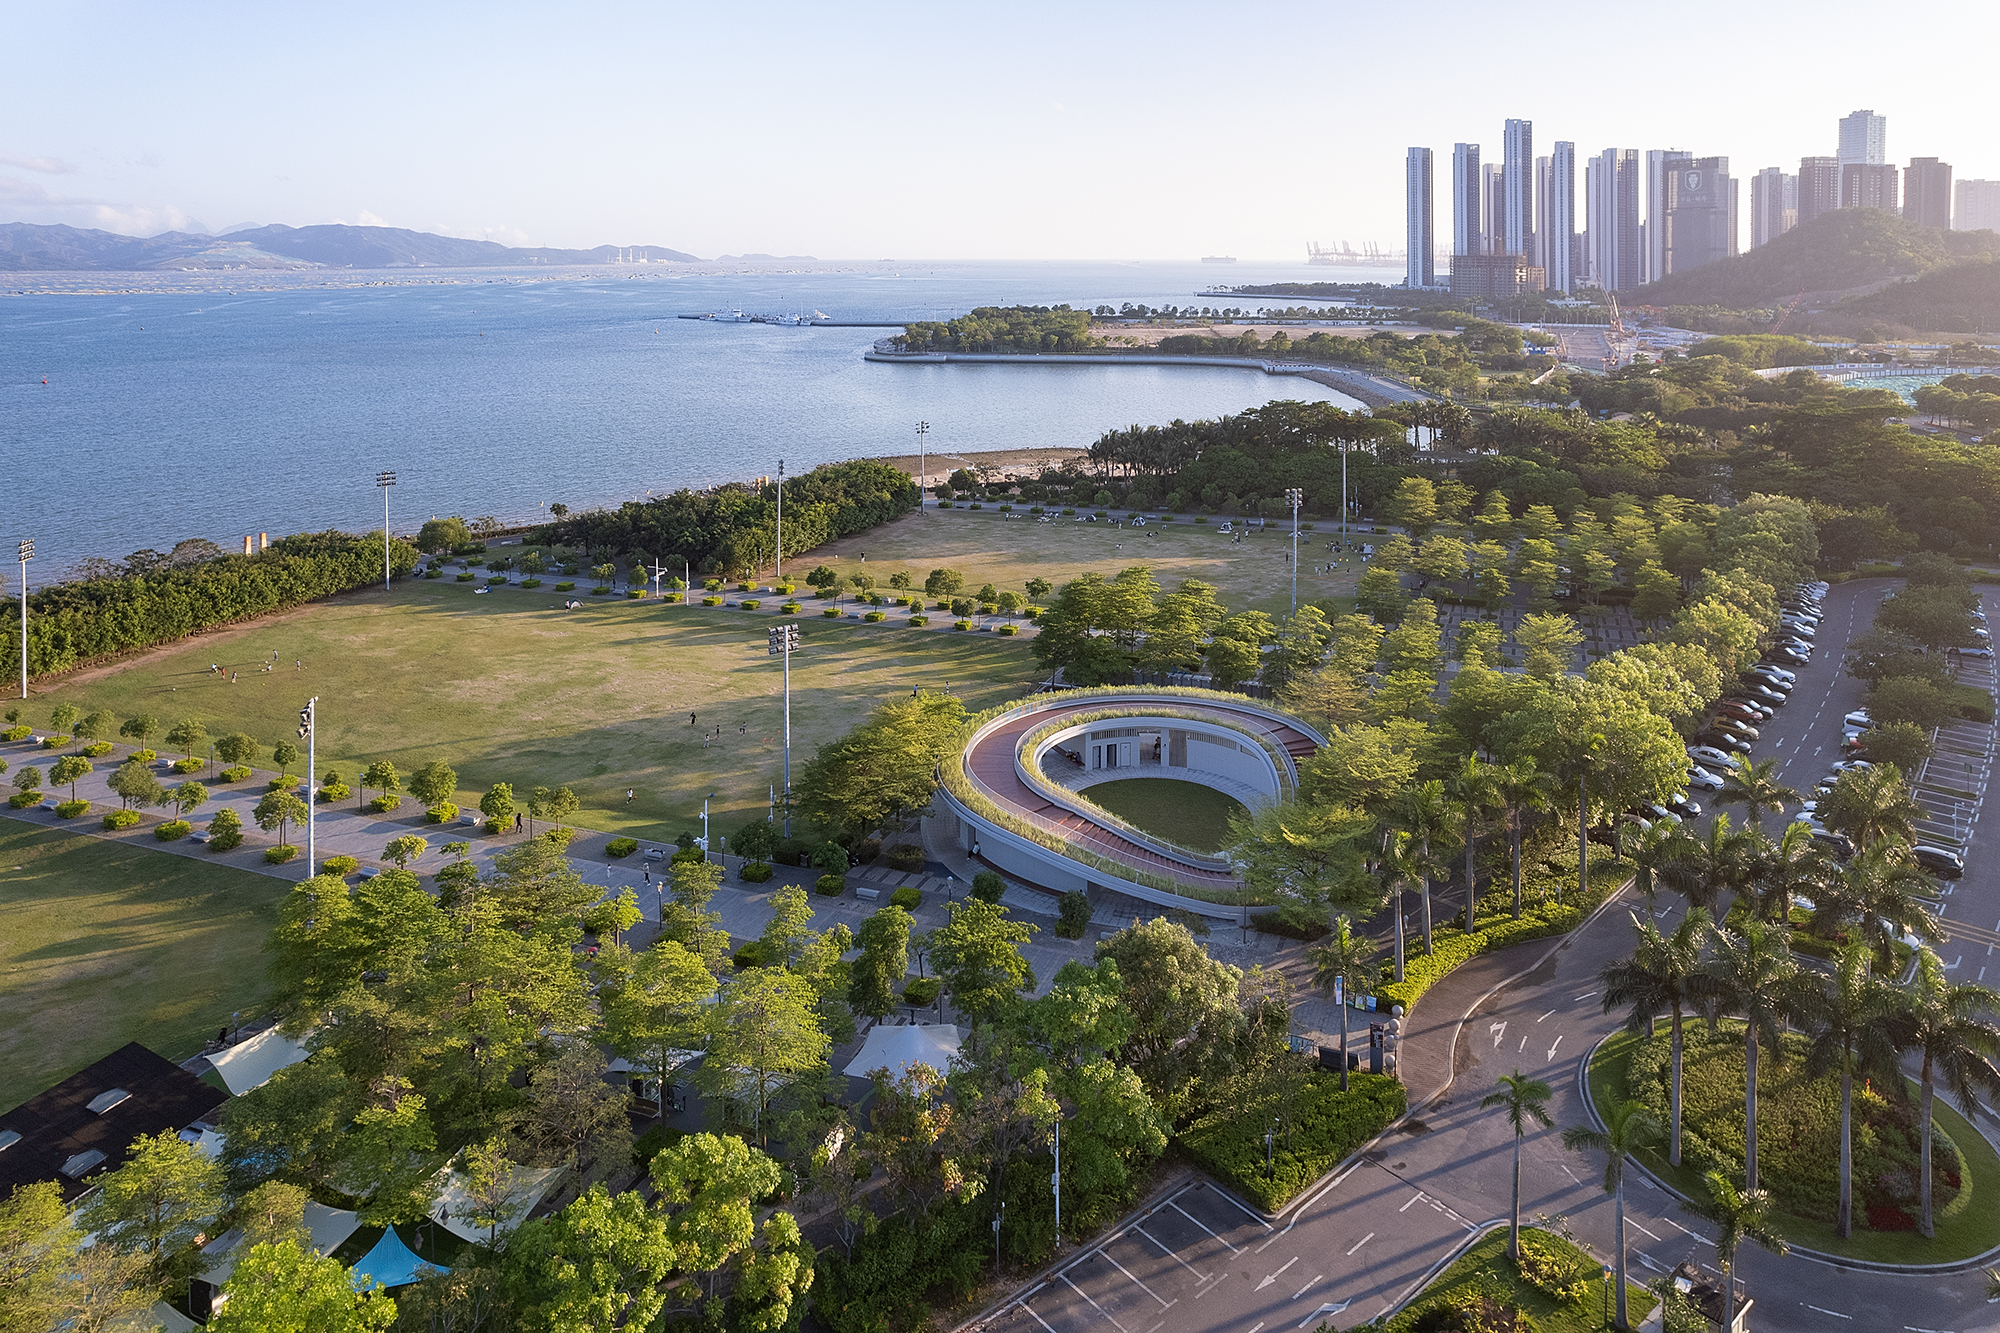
1524, 1099
1881, 895
1948, 1026
1778, 871
1849, 1017
1403, 863
1423, 813
1348, 959
1475, 792
1715, 863
1872, 804
1654, 850
1756, 787
1738, 1215
1628, 1127
1523, 789
1751, 974
1664, 973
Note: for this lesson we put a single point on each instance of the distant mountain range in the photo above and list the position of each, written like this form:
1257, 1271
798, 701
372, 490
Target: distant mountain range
25, 247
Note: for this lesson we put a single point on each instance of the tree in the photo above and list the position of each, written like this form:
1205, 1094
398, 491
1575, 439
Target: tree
235, 748
1347, 960
1548, 644
439, 535
187, 798
1308, 855
1231, 662
1628, 1127
1656, 594
597, 1264
50, 1279
1380, 593
405, 849
686, 919
1738, 1215
886, 765
1850, 1018
287, 1288
382, 776
553, 805
498, 806
290, 1127
285, 754
1899, 743
1880, 894
1423, 813
1910, 699
1751, 975
434, 783
1755, 786
134, 782
776, 1276
72, 768
140, 730
1183, 1006
706, 1184
767, 1033
535, 883
1525, 1100
573, 1116
1523, 789
790, 926
978, 957
1872, 805
1413, 506
1474, 792
1665, 972
157, 1204
273, 1212
943, 583
1440, 559
1300, 645
656, 1019
885, 960
1950, 1029
97, 725
493, 1186
279, 810
187, 736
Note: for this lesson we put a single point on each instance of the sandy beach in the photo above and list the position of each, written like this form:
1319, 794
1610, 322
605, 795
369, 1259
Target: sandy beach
990, 464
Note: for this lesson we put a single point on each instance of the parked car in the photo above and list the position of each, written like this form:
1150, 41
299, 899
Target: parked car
1721, 741
1852, 766
1740, 728
1741, 711
1944, 864
1765, 694
1773, 669
1791, 656
1858, 718
1839, 844
1974, 650
1798, 629
1703, 780
1685, 807
1712, 756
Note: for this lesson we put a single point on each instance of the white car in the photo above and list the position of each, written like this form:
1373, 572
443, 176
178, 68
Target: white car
1708, 755
1703, 779
1857, 718
1852, 766
1977, 650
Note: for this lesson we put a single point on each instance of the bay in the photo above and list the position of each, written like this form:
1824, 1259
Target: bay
215, 409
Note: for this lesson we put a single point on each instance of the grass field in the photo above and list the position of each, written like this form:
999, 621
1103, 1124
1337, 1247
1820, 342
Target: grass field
103, 943
1972, 1230
1187, 813
506, 688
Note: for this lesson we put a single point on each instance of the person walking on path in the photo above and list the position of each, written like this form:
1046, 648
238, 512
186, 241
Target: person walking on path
628, 796
517, 821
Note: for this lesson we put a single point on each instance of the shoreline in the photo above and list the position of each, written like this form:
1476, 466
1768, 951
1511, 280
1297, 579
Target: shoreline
1371, 391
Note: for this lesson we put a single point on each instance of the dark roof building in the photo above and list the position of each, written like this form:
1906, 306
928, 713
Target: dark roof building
86, 1123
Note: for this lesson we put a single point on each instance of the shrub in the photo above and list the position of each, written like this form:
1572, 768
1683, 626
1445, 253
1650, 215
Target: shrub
866, 850
1327, 1126
603, 589
907, 896
754, 954
465, 577
830, 885
750, 604
1073, 915
831, 613
1008, 629
531, 583
16, 733
706, 601
634, 594
918, 622
120, 819
987, 886
96, 750
434, 573
621, 847
277, 856
332, 792
792, 851
55, 742
961, 624
339, 865
790, 608
875, 617
71, 809
654, 1142
567, 585
754, 872
921, 991
441, 813
386, 802
283, 782
906, 857
497, 581
144, 755
235, 773
191, 764
21, 800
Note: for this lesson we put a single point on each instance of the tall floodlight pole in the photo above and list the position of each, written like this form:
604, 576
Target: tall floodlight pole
1055, 1179
923, 463
1295, 496
704, 824
1343, 493
306, 734
781, 640
778, 548
384, 480
27, 554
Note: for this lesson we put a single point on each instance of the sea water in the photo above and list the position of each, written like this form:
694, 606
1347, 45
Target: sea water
218, 410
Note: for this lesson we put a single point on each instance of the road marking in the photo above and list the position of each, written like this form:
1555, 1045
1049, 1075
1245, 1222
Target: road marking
1524, 1042
1317, 1279
1254, 1327
1651, 1262
1280, 1273
1128, 1273
1031, 1310
1094, 1305
1586, 995
1359, 1243
1498, 1030
1545, 1017
1406, 1207
1198, 1222
1678, 1227
1654, 1234
1324, 1309
1552, 1048
1835, 1313
1175, 1256
1247, 1213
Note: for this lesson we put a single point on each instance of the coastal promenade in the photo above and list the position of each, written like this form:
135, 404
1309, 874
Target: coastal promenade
1371, 390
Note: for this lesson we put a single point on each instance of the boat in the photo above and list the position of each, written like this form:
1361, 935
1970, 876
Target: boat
1218, 259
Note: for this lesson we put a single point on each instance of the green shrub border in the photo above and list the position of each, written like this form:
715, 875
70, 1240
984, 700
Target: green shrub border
1328, 1127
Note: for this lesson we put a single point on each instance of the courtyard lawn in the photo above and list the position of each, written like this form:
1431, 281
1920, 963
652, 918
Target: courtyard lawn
508, 687
1186, 813
102, 943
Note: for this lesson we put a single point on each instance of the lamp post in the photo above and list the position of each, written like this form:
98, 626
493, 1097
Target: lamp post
1055, 1179
1607, 1295
997, 1218
704, 825
306, 730
383, 481
781, 640
923, 463
27, 554
1294, 496
778, 546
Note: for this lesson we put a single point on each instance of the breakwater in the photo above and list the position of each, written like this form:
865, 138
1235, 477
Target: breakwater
1371, 390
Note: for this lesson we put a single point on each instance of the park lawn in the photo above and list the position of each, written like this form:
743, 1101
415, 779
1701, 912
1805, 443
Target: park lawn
987, 547
510, 688
102, 943
1486, 1270
1185, 813
1972, 1230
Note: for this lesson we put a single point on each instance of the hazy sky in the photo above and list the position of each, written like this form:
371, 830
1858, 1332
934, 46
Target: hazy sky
1009, 131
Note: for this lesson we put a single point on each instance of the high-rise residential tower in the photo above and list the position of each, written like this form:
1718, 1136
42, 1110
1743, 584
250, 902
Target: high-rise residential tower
1517, 182
1420, 268
1493, 191
1700, 214
1927, 193
1819, 186
1774, 205
1660, 162
1864, 139
1538, 248
1468, 223
1611, 219
1868, 185
1559, 221
1977, 206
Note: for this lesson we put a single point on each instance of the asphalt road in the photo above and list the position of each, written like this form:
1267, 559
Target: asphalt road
1202, 1263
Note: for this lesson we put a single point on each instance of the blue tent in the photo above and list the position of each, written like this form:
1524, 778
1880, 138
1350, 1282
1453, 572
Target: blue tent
389, 1263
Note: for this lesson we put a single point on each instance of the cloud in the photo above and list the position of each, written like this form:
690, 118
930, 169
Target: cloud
29, 201
362, 219
52, 166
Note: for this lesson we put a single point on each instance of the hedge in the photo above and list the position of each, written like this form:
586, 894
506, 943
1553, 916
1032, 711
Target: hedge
754, 872
621, 847
277, 856
73, 623
1327, 1126
172, 830
906, 896
120, 819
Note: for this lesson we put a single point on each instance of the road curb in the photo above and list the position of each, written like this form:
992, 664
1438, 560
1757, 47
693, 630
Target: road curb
1800, 1251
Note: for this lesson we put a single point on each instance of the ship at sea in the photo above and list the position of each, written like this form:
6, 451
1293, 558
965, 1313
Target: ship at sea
1218, 259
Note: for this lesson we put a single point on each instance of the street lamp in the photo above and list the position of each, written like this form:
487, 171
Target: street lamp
383, 481
778, 547
704, 825
1607, 1295
306, 734
782, 640
923, 463
1294, 496
27, 554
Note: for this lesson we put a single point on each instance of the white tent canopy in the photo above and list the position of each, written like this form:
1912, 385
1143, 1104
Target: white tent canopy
249, 1064
329, 1227
897, 1048
453, 1209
